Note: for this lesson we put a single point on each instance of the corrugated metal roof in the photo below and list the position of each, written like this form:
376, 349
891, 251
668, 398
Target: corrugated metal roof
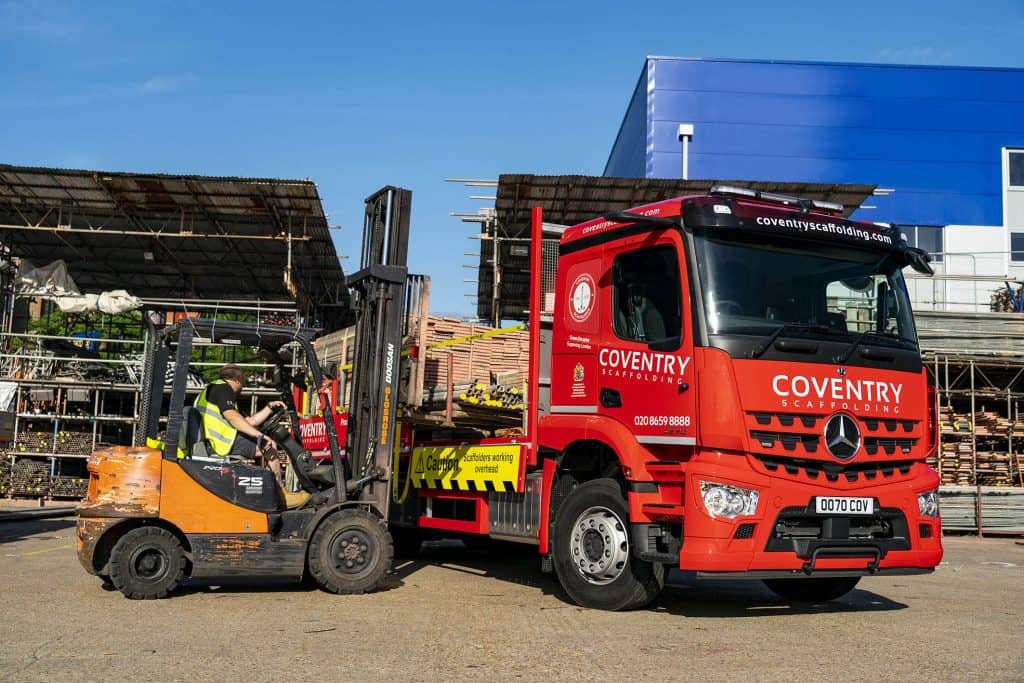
195, 227
572, 199
971, 334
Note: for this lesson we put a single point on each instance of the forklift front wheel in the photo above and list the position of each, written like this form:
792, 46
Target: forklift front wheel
350, 552
147, 563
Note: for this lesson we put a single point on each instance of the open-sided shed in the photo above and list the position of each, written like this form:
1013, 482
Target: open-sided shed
178, 236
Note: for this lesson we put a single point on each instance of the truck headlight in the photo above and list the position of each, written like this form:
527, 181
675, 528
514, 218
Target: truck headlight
928, 503
728, 502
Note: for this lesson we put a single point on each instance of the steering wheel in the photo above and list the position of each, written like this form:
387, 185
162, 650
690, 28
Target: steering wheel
720, 307
273, 422
281, 435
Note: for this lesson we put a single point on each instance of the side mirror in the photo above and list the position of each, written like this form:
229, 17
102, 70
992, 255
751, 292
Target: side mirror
882, 299
918, 259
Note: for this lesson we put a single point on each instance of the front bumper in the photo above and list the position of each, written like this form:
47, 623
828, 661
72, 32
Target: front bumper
819, 574
785, 537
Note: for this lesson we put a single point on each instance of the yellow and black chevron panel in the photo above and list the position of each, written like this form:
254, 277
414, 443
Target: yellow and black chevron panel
477, 467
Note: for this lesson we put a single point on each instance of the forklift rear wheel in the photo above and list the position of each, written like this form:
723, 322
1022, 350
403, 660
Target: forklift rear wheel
350, 552
147, 563
812, 590
592, 554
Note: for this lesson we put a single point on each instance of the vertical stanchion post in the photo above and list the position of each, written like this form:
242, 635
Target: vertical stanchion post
974, 455
536, 283
449, 400
938, 423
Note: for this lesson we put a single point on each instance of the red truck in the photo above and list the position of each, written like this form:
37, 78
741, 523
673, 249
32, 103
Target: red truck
727, 384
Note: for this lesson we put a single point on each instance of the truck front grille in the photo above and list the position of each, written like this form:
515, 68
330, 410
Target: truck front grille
788, 440
814, 469
889, 446
880, 436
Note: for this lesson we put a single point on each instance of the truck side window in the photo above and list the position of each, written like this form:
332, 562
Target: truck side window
646, 300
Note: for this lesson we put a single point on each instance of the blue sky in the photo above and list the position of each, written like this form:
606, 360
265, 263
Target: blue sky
358, 95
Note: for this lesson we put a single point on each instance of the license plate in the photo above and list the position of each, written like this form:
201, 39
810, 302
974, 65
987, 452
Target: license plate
840, 505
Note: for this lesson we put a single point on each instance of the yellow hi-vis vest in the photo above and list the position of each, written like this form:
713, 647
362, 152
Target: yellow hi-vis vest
216, 428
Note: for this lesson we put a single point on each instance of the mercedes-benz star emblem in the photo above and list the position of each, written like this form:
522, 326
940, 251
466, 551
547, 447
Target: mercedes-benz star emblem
842, 437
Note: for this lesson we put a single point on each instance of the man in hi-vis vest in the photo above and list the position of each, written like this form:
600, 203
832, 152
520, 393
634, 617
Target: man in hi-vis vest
227, 432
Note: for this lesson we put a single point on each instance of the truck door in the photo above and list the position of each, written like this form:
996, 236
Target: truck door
645, 360
577, 328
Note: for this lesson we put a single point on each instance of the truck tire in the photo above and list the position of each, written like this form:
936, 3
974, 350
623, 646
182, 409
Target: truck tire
812, 590
147, 563
350, 552
591, 551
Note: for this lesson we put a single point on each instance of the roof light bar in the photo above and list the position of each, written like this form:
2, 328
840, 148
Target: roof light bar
776, 198
729, 189
831, 206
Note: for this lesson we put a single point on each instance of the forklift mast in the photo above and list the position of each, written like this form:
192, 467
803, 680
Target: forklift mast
379, 287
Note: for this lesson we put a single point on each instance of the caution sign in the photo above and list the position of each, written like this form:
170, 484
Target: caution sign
479, 467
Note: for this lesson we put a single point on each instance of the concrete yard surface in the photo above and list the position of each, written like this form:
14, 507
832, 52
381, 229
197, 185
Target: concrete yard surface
489, 614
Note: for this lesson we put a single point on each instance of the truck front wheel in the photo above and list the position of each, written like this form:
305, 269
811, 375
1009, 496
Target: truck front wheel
591, 551
812, 590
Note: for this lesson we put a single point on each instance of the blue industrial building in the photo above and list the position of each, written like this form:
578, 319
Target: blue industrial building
948, 141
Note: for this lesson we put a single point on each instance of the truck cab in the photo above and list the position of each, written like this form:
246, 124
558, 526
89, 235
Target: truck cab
745, 366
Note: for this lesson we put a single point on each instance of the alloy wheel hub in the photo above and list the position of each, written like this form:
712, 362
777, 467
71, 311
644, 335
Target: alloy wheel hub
599, 545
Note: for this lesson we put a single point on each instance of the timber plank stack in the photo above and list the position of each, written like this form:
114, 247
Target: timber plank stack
993, 468
489, 370
995, 460
476, 360
956, 465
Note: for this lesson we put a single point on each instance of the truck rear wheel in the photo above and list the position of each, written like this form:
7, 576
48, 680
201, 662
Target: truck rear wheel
591, 551
350, 552
147, 563
812, 590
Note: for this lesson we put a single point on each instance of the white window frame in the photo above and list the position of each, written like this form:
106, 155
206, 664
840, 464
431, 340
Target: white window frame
1007, 188
1010, 234
916, 242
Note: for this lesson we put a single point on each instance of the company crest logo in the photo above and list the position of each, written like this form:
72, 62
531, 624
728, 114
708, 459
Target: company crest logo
582, 298
842, 437
577, 373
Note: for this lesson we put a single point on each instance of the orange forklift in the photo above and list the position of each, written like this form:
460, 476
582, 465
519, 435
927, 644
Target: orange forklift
156, 516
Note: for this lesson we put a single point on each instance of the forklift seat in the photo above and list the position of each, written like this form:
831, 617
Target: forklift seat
195, 443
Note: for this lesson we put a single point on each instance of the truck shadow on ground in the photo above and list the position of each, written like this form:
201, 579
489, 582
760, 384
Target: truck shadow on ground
683, 595
690, 597
37, 529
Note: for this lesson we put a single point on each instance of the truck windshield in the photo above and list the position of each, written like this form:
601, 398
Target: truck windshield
754, 287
